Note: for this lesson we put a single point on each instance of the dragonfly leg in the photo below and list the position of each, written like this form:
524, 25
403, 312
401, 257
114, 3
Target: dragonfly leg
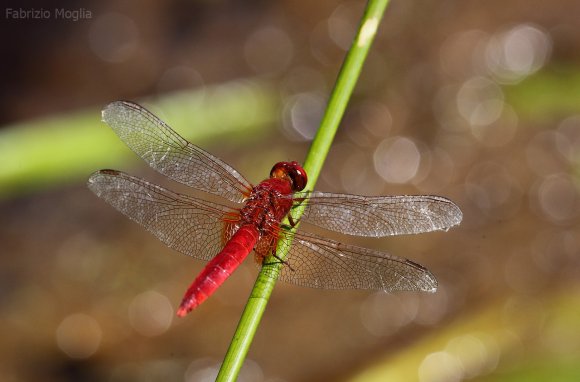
298, 201
292, 221
281, 260
285, 262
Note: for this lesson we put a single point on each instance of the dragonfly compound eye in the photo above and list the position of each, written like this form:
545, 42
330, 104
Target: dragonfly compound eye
291, 171
298, 176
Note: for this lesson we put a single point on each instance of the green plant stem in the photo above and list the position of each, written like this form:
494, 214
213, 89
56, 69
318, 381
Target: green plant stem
341, 93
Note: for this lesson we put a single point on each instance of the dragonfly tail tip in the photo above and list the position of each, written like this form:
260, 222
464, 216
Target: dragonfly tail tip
182, 311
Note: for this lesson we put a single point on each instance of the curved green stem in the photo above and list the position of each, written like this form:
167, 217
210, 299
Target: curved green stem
341, 93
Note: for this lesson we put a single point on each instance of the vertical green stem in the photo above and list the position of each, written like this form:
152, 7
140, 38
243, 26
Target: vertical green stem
347, 78
340, 95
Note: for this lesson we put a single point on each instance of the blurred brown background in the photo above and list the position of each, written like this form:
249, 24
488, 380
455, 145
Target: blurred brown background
476, 101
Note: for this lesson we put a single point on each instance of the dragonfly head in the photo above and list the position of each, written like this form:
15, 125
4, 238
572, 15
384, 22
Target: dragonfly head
292, 172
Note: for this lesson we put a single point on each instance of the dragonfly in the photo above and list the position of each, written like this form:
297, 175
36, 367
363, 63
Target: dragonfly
251, 217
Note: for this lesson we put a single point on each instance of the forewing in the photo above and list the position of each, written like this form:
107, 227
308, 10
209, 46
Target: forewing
170, 154
321, 263
192, 226
378, 216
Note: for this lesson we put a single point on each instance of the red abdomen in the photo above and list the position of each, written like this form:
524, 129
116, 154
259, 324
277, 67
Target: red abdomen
219, 268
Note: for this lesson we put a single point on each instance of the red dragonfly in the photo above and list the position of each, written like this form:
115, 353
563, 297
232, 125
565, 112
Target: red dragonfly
226, 235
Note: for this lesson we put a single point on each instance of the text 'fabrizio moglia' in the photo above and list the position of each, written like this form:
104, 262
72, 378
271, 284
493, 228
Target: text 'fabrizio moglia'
47, 14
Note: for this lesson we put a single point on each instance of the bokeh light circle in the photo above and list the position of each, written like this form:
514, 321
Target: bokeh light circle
79, 335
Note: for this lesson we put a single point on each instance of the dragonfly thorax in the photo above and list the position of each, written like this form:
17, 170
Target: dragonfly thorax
267, 204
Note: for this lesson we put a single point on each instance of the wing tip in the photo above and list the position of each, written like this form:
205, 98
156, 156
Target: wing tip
105, 113
108, 109
453, 215
428, 282
93, 181
457, 214
94, 178
433, 284
432, 288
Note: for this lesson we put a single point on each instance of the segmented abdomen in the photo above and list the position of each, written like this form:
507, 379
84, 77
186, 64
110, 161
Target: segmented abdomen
219, 268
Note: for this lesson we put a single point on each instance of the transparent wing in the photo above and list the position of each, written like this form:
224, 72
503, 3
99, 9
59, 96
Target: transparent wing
321, 263
378, 216
170, 154
191, 226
